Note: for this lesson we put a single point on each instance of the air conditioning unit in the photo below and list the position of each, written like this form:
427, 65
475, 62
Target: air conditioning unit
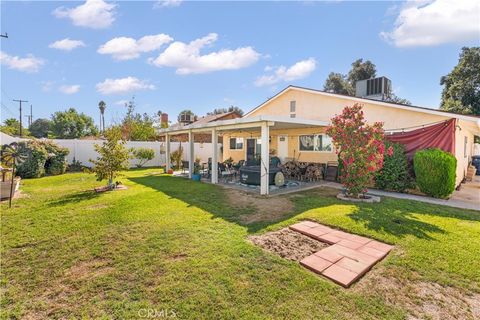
186, 118
376, 88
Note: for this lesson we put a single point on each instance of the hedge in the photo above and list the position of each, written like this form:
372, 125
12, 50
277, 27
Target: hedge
56, 162
435, 172
394, 175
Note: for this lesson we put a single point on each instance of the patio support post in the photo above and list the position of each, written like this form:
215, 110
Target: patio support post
265, 160
167, 152
214, 156
190, 153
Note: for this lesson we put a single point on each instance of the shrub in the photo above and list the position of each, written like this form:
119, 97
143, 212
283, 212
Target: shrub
143, 155
176, 157
36, 157
56, 162
361, 148
394, 174
435, 172
75, 166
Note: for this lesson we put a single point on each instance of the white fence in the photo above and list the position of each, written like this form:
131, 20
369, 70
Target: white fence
83, 150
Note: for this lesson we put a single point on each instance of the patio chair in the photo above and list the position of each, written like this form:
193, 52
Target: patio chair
225, 172
184, 165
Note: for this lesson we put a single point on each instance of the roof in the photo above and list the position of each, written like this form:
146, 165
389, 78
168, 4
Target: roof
205, 119
252, 122
372, 101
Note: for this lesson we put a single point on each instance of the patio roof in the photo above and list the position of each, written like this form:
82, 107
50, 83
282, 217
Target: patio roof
275, 122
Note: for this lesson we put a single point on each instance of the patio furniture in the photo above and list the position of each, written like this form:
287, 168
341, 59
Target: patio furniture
251, 174
275, 161
225, 172
184, 165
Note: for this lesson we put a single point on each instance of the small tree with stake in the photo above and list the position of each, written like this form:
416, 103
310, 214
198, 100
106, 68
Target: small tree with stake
113, 157
360, 146
12, 156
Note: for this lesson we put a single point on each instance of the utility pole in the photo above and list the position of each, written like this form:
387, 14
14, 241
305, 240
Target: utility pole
31, 115
20, 102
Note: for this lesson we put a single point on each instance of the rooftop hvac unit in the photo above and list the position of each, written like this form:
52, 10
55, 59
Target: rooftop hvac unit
375, 88
186, 118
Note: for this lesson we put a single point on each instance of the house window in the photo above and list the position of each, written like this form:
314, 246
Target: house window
465, 143
293, 106
315, 142
293, 115
236, 143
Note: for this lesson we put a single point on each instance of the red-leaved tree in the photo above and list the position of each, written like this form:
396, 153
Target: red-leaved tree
360, 147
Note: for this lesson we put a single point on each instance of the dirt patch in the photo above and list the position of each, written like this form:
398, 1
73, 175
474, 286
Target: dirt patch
288, 244
423, 300
261, 208
89, 269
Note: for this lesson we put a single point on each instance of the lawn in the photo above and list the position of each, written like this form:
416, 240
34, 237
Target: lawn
180, 247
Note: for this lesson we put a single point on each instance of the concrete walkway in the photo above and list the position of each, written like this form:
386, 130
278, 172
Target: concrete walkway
468, 197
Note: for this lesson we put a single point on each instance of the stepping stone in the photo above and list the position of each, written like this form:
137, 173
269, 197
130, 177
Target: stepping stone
310, 224
359, 239
355, 255
329, 254
341, 234
342, 276
329, 238
380, 246
372, 252
353, 265
350, 244
315, 263
300, 227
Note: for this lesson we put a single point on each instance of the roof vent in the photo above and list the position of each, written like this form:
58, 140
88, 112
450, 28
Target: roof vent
376, 88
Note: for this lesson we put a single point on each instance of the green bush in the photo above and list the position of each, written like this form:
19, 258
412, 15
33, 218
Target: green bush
36, 157
143, 155
435, 172
394, 175
56, 162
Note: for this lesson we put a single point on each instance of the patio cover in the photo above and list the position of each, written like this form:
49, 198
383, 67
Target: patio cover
440, 135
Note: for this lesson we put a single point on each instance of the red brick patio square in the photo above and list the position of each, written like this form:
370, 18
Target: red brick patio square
379, 246
372, 252
340, 275
315, 263
350, 244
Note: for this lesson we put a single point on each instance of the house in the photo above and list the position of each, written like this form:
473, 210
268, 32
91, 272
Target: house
292, 125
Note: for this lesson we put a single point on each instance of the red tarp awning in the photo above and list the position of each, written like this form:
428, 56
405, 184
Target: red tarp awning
440, 135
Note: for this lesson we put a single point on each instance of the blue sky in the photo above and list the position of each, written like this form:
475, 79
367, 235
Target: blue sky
204, 55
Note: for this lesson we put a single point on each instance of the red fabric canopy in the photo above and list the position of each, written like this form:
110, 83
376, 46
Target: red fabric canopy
440, 135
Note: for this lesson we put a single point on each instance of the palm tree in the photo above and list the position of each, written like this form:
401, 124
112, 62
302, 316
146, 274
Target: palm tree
12, 156
102, 106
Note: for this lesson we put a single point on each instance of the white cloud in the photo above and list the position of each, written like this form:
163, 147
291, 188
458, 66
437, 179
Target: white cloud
71, 89
186, 58
167, 3
123, 48
123, 85
66, 44
121, 102
95, 14
47, 86
429, 23
27, 64
299, 70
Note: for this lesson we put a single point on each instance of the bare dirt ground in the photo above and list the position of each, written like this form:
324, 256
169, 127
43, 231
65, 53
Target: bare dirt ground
288, 244
423, 300
263, 209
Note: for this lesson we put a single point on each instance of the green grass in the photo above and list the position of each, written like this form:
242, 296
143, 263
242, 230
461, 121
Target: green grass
171, 244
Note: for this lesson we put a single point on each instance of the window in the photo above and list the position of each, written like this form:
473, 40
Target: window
465, 143
292, 115
236, 143
315, 142
293, 106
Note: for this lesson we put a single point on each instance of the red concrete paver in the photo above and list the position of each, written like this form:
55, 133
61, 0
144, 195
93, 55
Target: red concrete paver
328, 238
348, 258
350, 244
340, 275
315, 263
372, 252
353, 265
329, 254
379, 246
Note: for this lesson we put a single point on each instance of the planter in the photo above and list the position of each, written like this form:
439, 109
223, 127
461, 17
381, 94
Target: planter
196, 177
368, 198
170, 171
6, 185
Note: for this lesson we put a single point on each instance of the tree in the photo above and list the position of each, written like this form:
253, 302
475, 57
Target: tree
143, 155
360, 148
113, 157
102, 106
396, 99
226, 110
337, 83
186, 112
136, 126
70, 124
461, 92
40, 128
12, 157
360, 71
11, 127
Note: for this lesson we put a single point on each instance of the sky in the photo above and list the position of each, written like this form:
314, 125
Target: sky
174, 55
